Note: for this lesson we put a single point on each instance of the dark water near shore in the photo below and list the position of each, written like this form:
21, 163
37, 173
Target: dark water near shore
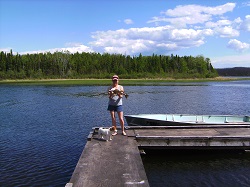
43, 130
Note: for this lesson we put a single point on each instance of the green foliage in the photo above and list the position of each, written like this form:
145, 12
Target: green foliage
95, 65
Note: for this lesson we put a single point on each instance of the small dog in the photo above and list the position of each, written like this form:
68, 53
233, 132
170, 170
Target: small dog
107, 132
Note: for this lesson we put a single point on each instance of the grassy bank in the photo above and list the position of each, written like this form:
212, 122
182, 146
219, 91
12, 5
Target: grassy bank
104, 82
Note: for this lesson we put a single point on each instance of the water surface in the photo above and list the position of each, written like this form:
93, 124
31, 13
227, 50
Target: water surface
43, 130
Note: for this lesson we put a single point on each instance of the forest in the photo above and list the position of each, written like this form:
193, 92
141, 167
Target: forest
236, 71
65, 65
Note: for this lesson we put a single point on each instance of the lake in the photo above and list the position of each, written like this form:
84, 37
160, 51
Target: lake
43, 130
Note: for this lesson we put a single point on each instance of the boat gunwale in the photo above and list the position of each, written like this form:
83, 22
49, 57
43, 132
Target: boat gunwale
245, 119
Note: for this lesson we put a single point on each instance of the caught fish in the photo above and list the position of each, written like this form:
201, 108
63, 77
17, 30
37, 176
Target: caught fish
118, 92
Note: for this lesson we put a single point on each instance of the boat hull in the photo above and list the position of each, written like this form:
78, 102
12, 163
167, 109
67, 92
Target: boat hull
184, 119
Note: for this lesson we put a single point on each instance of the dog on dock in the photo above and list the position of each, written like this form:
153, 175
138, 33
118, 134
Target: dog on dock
105, 133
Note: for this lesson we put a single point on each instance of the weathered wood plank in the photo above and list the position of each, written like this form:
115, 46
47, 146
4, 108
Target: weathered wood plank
118, 162
114, 163
226, 138
194, 143
176, 132
193, 132
189, 126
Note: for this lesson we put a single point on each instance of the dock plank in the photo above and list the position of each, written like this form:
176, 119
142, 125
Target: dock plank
194, 138
118, 162
114, 163
234, 131
199, 132
177, 132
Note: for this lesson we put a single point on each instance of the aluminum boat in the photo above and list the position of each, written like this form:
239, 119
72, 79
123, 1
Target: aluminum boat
185, 119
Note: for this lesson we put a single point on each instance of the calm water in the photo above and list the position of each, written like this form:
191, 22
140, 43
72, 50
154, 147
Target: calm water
43, 130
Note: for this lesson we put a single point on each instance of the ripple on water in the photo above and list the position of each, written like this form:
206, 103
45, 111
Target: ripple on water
43, 131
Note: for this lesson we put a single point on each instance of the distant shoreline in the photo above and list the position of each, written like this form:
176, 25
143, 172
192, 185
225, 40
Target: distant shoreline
236, 71
102, 82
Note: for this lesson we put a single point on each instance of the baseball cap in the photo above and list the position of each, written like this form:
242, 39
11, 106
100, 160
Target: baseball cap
115, 77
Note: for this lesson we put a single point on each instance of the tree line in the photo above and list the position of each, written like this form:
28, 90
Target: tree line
236, 71
96, 65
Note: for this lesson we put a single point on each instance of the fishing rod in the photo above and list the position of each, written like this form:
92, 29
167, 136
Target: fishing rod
113, 92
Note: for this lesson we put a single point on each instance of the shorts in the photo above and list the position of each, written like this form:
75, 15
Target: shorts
115, 108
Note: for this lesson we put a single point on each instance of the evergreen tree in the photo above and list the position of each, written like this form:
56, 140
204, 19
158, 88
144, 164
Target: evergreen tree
96, 65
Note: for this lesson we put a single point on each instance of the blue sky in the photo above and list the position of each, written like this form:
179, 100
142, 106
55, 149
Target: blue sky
219, 30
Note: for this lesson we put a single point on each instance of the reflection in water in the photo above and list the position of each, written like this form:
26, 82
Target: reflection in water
197, 168
43, 131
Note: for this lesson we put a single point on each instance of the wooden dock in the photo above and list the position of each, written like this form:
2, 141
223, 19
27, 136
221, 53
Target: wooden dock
194, 137
118, 162
109, 164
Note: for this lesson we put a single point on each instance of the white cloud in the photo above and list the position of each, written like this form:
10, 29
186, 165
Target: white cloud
148, 39
227, 31
219, 23
200, 17
7, 49
73, 44
181, 22
219, 10
74, 47
240, 60
246, 24
246, 3
238, 45
128, 21
238, 20
192, 14
186, 26
189, 10
172, 37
